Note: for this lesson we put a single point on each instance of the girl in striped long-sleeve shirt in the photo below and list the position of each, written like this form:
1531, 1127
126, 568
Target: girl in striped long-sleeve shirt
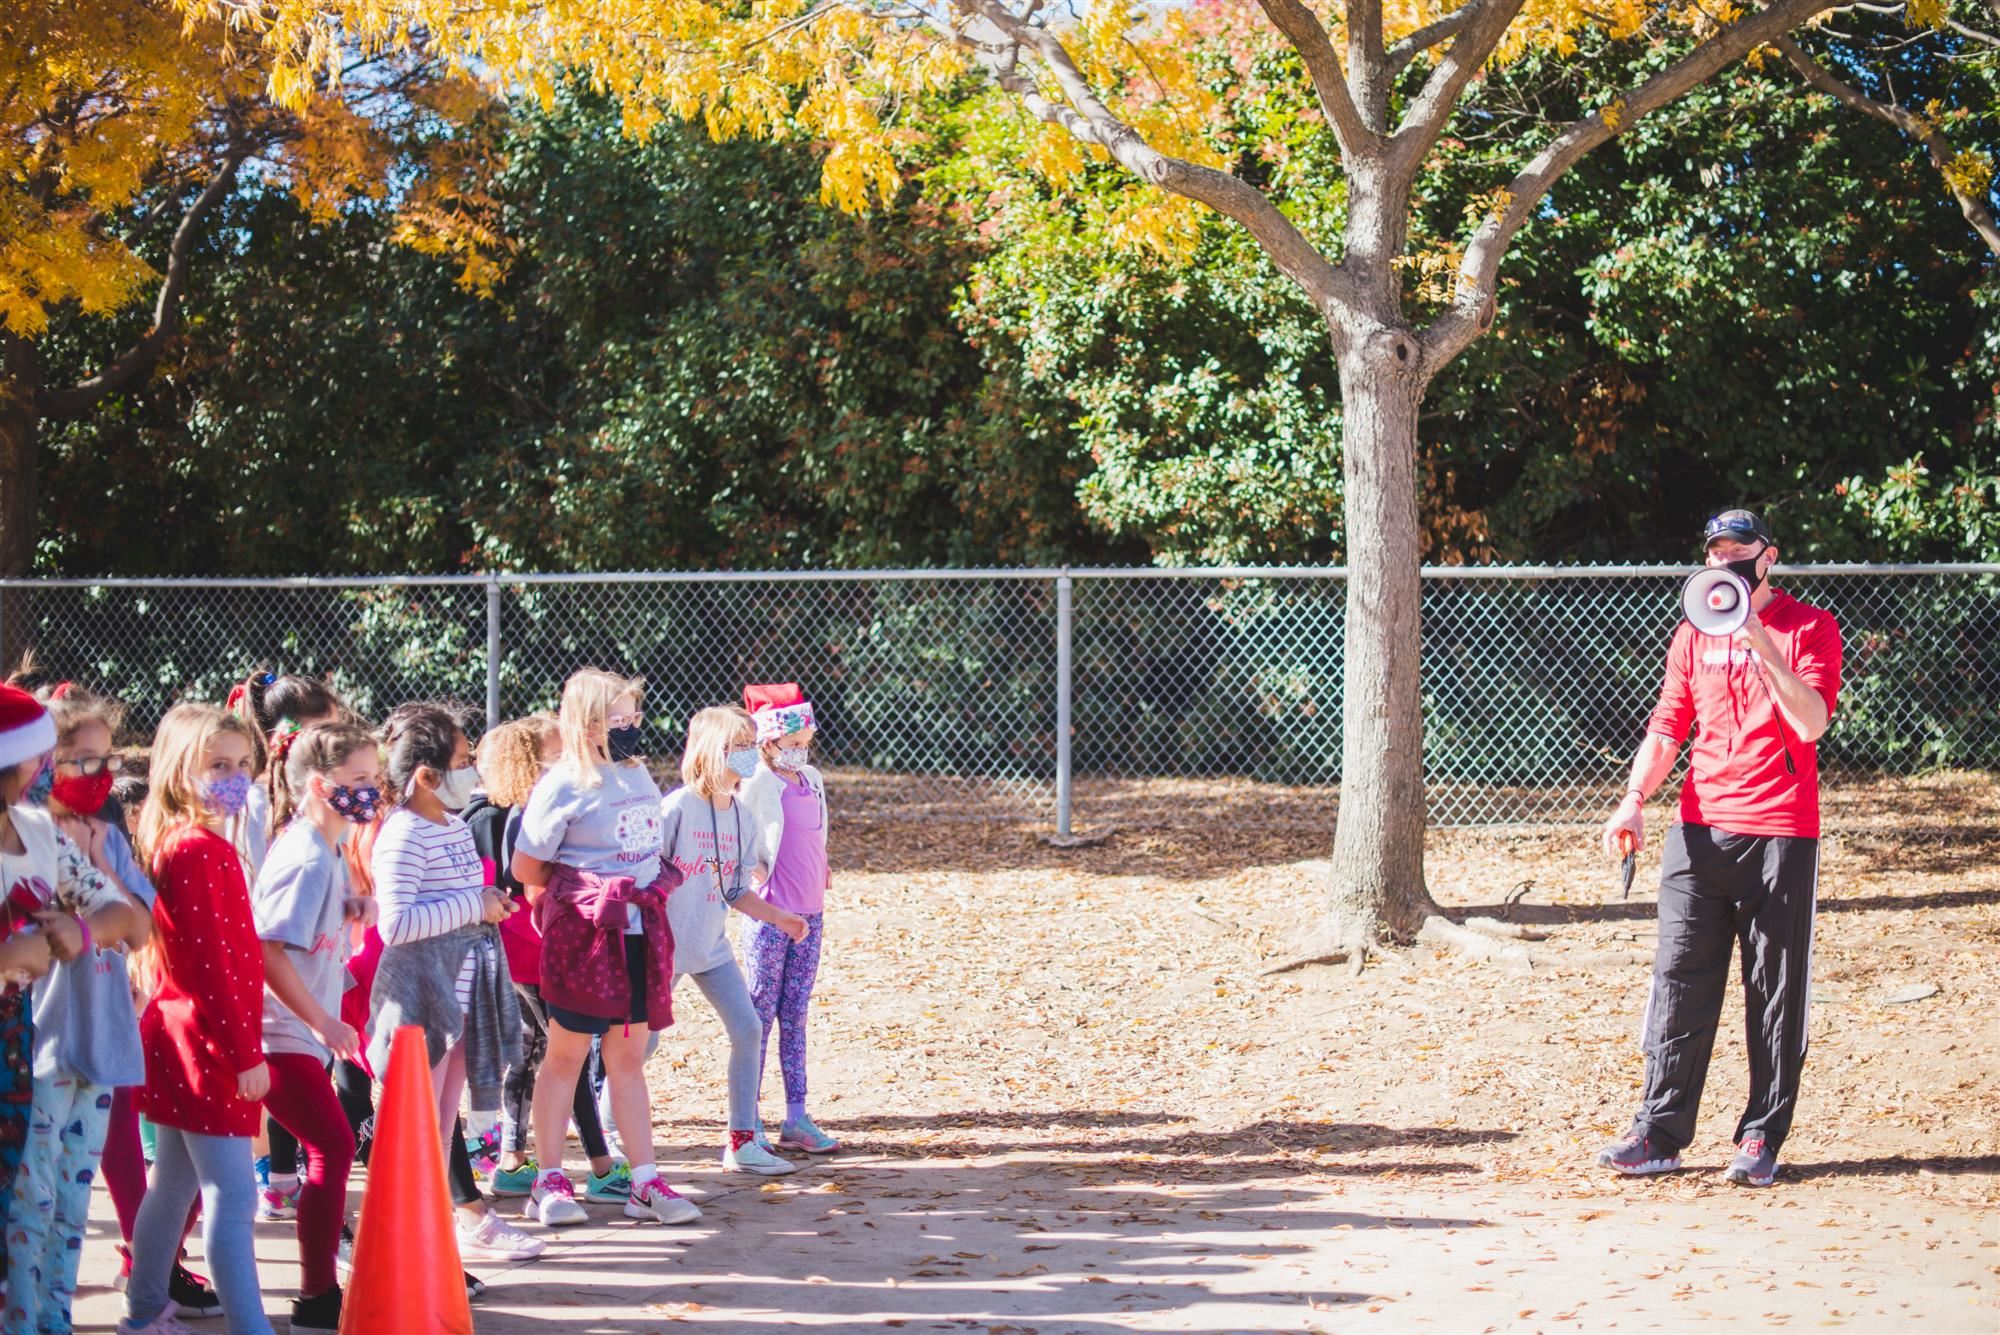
435, 917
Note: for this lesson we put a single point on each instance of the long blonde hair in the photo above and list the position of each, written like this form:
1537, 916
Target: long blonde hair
586, 706
710, 733
173, 800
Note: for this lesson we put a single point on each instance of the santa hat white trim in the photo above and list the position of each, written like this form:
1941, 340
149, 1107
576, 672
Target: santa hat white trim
27, 740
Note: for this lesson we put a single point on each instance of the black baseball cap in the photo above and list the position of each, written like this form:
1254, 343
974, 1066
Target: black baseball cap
1742, 525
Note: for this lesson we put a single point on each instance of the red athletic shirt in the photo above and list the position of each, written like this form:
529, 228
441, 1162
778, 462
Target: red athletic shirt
1737, 777
205, 1025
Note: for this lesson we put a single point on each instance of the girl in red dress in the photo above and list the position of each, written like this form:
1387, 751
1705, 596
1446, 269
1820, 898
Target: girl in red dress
203, 1031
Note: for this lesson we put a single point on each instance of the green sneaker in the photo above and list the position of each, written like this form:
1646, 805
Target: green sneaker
513, 1181
615, 1185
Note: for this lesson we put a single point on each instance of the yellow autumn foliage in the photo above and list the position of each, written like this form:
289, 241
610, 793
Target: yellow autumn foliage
101, 100
837, 71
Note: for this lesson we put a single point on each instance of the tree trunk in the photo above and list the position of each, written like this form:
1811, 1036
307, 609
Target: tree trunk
20, 436
1377, 880
20, 444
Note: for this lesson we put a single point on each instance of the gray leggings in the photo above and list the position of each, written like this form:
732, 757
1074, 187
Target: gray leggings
219, 1169
730, 995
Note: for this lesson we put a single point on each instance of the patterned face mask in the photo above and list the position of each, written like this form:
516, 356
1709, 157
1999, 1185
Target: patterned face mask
743, 760
359, 805
792, 759
226, 797
44, 782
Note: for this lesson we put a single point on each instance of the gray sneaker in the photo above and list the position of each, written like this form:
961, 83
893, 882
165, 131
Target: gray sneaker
1755, 1164
1635, 1155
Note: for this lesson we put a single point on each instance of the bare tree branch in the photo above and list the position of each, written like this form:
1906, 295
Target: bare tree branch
1975, 34
1428, 36
1918, 128
1485, 22
140, 357
1302, 29
1084, 115
1368, 63
1471, 310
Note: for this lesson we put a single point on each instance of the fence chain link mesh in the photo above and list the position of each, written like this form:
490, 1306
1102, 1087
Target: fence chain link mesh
1536, 683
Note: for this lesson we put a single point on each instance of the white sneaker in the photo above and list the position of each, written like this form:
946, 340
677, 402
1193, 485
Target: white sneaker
754, 1158
654, 1199
553, 1201
166, 1323
494, 1239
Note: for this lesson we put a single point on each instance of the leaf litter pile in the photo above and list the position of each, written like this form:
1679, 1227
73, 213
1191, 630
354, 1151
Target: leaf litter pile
1058, 1044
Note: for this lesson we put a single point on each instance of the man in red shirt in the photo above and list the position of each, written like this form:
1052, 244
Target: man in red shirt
1741, 865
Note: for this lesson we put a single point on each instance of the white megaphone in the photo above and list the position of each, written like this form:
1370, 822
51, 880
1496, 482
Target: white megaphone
1716, 601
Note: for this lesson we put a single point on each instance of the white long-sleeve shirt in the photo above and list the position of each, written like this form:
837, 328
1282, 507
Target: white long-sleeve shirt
428, 879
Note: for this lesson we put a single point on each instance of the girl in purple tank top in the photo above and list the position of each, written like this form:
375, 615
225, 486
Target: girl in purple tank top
788, 798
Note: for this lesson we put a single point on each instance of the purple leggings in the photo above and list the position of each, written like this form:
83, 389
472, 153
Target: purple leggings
781, 983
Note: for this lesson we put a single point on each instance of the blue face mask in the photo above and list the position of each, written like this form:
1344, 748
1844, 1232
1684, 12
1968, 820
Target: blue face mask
39, 787
743, 761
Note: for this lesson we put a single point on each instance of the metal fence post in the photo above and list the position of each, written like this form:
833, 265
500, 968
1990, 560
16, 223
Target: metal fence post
1063, 665
492, 653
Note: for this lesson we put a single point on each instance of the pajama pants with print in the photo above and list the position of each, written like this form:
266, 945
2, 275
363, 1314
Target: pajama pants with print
782, 973
52, 1201
17, 1097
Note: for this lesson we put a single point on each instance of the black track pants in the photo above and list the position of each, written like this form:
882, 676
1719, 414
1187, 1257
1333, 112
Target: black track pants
1718, 890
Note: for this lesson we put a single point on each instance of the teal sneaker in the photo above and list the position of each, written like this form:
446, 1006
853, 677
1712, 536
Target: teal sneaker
615, 1185
803, 1135
513, 1181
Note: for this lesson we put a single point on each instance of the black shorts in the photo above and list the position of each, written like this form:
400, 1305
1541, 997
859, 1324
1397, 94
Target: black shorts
635, 974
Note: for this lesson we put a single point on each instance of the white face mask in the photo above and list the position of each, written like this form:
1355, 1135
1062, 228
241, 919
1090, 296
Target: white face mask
792, 759
456, 790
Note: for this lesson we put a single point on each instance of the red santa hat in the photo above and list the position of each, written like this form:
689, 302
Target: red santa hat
26, 730
778, 709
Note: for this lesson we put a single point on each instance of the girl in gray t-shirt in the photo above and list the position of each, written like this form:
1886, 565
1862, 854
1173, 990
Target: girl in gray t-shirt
326, 782
712, 838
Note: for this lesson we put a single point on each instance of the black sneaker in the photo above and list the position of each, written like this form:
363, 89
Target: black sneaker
191, 1294
1635, 1156
474, 1285
317, 1313
1755, 1164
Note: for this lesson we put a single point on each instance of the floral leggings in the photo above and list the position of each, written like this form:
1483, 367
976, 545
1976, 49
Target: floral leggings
782, 974
52, 1201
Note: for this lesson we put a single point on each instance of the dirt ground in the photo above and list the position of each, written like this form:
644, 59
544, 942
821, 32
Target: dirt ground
1073, 1104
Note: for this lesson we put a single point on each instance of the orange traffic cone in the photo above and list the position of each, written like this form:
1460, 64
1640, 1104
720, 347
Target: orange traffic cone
406, 1253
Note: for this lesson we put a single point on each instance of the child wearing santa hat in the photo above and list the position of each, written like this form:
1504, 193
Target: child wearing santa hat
788, 798
45, 883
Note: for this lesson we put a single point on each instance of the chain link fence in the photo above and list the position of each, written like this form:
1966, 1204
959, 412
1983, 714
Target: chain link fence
1001, 687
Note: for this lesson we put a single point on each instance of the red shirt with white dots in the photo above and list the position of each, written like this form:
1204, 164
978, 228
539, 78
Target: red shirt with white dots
205, 1025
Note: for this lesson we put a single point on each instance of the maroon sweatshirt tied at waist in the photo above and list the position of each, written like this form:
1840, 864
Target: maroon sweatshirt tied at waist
582, 917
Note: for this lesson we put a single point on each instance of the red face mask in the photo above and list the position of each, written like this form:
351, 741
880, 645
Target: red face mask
83, 793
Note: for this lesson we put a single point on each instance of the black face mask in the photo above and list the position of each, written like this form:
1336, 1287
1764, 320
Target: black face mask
1746, 569
626, 743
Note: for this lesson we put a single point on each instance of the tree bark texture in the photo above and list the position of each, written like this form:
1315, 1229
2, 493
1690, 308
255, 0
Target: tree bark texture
1376, 883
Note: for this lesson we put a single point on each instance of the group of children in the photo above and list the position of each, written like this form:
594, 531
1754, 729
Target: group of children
229, 967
